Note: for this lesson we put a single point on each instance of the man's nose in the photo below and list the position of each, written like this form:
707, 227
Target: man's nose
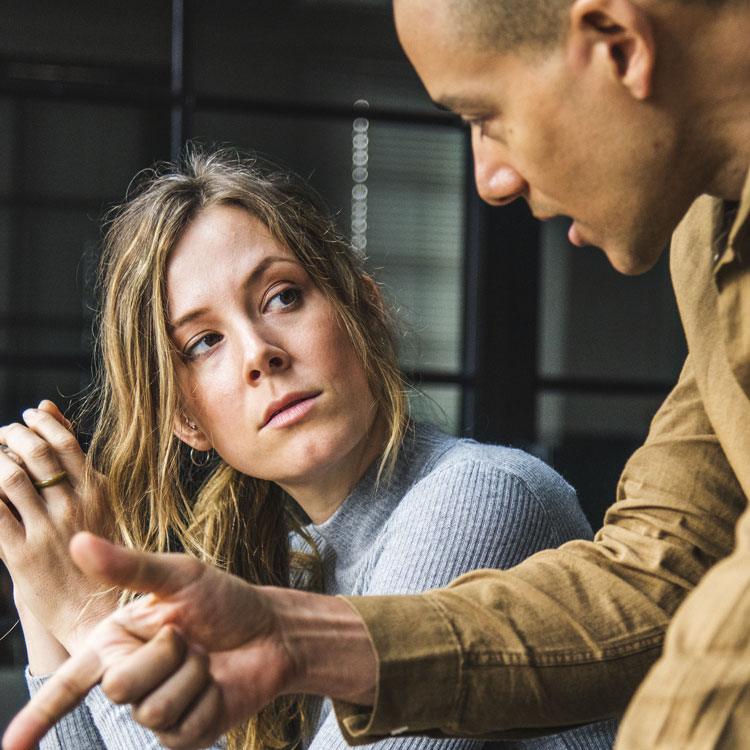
497, 181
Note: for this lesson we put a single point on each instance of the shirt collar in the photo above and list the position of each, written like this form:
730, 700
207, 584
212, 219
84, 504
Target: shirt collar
731, 240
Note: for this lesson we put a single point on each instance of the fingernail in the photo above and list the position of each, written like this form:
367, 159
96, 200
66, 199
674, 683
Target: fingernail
29, 413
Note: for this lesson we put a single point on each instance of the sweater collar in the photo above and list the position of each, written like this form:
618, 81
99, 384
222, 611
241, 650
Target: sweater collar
359, 519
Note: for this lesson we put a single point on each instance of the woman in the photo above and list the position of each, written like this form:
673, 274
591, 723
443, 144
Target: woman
249, 377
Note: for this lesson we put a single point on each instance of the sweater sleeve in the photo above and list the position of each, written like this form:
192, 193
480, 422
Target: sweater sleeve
74, 730
473, 514
117, 727
98, 724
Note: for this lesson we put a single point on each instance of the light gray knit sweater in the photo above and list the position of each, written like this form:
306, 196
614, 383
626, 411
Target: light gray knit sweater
451, 506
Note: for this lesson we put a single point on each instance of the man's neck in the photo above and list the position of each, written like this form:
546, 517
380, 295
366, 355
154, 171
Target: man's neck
710, 63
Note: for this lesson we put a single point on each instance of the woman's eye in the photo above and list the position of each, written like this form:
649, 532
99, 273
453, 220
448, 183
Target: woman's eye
202, 345
285, 298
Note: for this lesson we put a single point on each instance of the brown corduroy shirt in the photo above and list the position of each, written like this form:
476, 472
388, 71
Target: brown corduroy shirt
568, 635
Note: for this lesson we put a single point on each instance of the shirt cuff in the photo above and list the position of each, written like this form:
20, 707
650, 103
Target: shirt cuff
419, 669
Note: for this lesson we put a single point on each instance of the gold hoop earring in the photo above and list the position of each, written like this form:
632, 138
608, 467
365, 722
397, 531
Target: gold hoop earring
206, 458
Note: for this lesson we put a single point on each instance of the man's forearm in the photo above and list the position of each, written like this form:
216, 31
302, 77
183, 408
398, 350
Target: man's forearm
328, 644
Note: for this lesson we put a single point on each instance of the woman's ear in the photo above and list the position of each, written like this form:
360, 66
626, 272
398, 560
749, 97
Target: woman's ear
374, 291
618, 33
188, 431
376, 303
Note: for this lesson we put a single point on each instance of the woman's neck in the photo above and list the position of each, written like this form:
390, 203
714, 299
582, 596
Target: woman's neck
321, 495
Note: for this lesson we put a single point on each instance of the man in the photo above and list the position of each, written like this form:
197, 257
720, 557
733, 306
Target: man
619, 114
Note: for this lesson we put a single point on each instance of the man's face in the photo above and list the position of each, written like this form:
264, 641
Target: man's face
564, 135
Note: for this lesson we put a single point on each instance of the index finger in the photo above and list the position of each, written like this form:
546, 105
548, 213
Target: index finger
65, 690
157, 573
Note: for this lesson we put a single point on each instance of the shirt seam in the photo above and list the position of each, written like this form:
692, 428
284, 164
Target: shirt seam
476, 659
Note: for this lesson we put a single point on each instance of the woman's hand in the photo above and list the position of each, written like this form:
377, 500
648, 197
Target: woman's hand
36, 525
45, 653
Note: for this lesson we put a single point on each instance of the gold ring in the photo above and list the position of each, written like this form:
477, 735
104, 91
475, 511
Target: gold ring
51, 481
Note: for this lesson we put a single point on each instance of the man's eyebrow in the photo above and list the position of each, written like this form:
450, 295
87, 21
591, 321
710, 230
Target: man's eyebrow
457, 104
254, 275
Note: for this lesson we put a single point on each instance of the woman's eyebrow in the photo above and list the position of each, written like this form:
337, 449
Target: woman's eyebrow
186, 318
252, 277
263, 266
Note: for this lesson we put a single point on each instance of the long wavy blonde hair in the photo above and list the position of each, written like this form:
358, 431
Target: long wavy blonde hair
160, 501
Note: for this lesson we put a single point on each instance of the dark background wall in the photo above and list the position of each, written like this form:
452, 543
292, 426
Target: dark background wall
515, 336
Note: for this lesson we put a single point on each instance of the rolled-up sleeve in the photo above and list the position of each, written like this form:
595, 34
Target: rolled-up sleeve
566, 636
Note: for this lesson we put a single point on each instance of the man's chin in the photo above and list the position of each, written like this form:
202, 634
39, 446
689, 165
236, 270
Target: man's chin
632, 263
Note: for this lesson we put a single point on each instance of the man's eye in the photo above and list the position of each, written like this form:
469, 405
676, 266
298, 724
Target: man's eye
480, 124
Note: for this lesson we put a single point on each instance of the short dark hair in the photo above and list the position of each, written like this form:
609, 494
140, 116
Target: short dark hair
522, 25
510, 25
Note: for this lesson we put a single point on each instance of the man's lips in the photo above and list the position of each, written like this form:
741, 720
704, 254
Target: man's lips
288, 408
575, 237
574, 232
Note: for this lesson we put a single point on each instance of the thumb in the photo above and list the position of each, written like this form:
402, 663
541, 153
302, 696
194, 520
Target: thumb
140, 572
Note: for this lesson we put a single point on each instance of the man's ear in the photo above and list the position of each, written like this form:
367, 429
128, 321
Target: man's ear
188, 431
620, 34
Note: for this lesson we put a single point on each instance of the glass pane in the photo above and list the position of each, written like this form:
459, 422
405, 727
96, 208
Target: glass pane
318, 150
6, 278
597, 323
7, 128
311, 52
561, 416
44, 325
589, 438
415, 230
47, 266
89, 32
86, 151
25, 387
439, 405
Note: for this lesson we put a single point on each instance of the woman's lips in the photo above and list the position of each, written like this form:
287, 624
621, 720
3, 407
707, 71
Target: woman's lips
291, 412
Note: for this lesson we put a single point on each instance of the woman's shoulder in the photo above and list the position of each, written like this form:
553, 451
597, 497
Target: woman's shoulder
462, 471
458, 455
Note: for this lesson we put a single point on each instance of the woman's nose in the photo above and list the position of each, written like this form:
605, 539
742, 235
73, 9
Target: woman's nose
497, 181
262, 357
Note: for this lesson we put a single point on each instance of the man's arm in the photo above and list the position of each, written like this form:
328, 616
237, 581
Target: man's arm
567, 635
563, 638
247, 645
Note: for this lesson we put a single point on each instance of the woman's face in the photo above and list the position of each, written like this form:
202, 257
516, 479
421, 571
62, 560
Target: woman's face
267, 375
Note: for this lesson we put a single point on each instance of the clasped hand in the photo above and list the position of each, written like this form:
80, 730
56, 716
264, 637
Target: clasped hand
38, 521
